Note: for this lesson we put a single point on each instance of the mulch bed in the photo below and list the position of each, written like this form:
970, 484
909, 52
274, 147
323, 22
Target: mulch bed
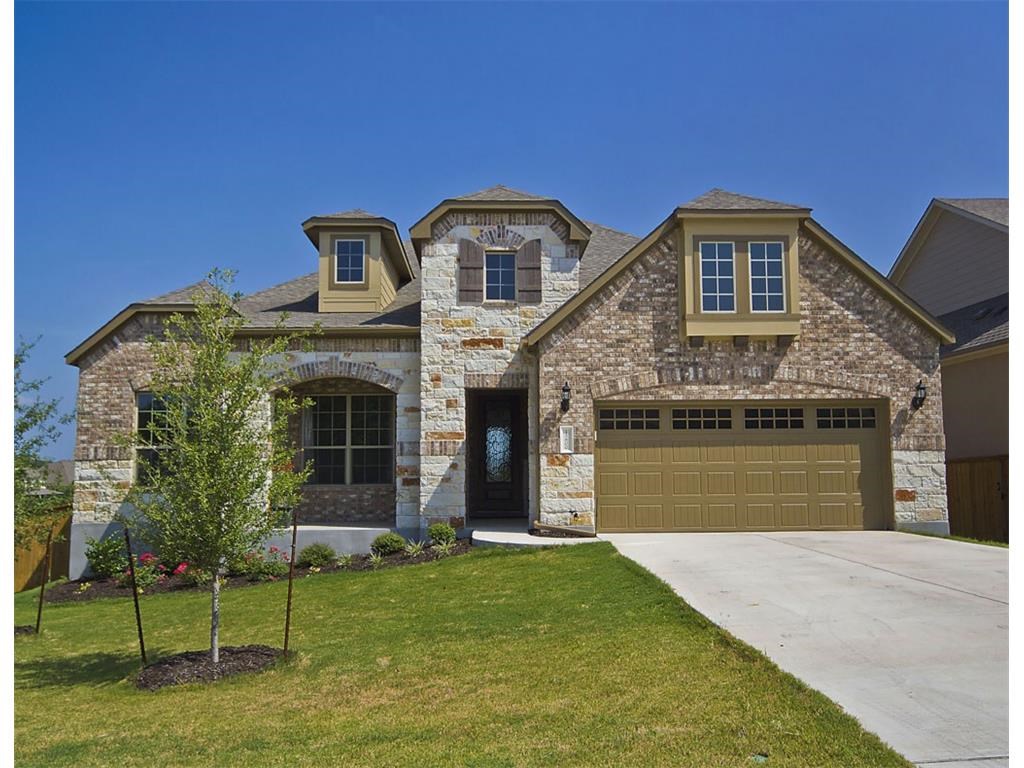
197, 667
73, 592
560, 534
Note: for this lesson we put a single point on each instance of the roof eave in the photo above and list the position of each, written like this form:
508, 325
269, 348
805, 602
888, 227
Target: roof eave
126, 314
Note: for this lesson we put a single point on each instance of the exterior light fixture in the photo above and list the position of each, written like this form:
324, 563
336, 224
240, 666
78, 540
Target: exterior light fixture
920, 394
566, 395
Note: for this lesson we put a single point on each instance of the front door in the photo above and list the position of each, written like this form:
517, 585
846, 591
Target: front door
496, 454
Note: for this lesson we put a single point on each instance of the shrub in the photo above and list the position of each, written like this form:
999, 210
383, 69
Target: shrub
260, 566
106, 557
441, 532
316, 555
388, 544
444, 548
345, 561
195, 576
376, 560
414, 548
148, 571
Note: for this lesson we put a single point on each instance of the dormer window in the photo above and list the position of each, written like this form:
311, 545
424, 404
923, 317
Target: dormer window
350, 261
500, 276
717, 277
767, 292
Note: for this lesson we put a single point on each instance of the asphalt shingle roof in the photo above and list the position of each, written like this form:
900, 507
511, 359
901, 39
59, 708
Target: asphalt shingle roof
978, 325
299, 297
722, 200
354, 213
996, 209
180, 295
499, 192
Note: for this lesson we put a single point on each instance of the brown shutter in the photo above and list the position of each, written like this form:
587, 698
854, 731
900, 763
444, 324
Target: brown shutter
528, 273
471, 272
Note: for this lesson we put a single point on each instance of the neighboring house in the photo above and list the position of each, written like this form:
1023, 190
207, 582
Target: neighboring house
956, 264
738, 368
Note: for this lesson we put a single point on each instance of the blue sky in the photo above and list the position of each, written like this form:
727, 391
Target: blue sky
155, 141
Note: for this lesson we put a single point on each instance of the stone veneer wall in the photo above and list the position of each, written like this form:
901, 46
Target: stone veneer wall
478, 346
111, 374
625, 345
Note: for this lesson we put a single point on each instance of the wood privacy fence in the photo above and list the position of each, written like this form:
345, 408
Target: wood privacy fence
29, 561
978, 494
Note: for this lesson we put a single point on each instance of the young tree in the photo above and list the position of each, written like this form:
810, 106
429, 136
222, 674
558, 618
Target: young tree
221, 466
36, 423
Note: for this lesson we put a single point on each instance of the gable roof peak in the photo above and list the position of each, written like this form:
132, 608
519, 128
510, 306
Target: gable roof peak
994, 209
500, 193
353, 213
718, 199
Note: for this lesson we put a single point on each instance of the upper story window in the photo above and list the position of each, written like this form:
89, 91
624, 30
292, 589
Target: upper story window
767, 292
717, 277
500, 275
350, 261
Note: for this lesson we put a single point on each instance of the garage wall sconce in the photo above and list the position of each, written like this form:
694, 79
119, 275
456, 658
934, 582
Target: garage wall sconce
920, 394
566, 396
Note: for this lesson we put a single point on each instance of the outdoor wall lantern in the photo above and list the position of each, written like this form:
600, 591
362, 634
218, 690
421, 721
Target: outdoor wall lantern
920, 393
566, 395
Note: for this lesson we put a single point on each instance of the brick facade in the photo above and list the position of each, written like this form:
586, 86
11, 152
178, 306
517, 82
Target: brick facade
625, 344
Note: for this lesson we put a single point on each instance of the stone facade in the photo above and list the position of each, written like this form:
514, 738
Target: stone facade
625, 344
479, 345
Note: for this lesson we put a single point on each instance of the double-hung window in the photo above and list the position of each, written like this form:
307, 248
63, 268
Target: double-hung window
500, 276
151, 428
350, 439
766, 283
717, 277
349, 261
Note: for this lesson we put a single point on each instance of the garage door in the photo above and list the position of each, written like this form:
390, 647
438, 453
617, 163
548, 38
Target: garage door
742, 467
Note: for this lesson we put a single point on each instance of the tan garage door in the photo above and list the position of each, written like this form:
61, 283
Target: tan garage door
736, 467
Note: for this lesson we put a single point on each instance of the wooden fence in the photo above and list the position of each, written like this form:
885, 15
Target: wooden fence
29, 562
978, 494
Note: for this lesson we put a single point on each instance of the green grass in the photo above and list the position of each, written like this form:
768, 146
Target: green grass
567, 656
986, 542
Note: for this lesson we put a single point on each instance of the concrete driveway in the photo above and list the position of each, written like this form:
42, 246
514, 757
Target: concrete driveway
907, 633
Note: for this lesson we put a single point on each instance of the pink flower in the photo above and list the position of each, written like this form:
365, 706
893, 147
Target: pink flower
274, 549
147, 557
182, 567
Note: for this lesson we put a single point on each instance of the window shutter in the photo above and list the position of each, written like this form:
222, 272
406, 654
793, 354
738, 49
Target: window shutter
528, 273
471, 272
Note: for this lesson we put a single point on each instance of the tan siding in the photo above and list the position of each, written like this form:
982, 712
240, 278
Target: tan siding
960, 263
975, 407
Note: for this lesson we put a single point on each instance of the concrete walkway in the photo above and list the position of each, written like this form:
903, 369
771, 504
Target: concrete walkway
907, 633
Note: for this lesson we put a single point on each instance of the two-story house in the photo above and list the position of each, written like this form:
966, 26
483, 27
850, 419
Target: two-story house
737, 368
956, 264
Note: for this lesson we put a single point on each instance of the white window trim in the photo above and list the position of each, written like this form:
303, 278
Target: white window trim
566, 439
515, 277
750, 277
700, 279
362, 243
348, 447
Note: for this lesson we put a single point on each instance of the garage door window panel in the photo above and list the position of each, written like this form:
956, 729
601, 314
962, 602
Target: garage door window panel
773, 418
846, 418
694, 419
629, 419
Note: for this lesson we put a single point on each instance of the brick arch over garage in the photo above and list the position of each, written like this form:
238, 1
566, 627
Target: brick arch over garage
869, 386
336, 367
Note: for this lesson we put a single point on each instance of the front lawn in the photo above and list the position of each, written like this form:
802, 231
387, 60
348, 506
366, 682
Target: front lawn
566, 656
